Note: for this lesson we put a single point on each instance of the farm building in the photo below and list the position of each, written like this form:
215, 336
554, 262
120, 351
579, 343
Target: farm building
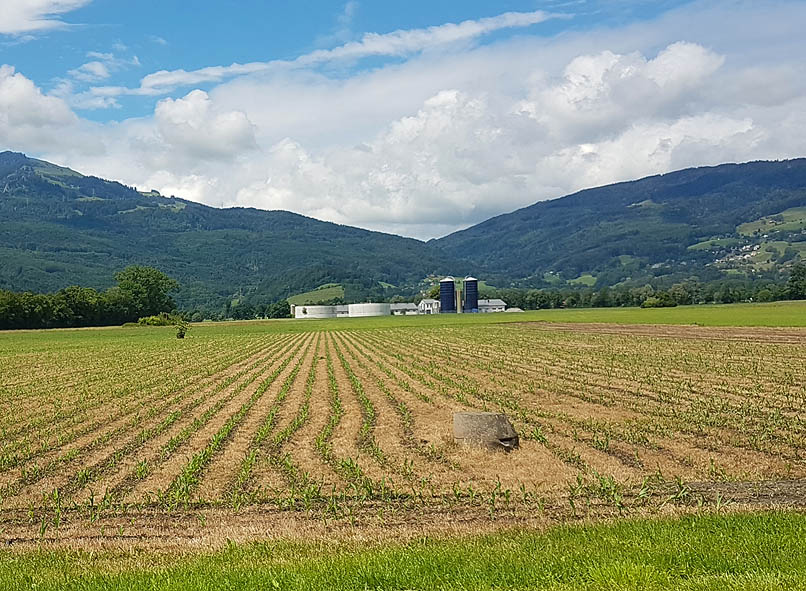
314, 311
361, 310
404, 309
343, 311
428, 306
495, 305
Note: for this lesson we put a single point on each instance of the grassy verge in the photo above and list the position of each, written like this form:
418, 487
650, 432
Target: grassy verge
741, 551
773, 314
777, 314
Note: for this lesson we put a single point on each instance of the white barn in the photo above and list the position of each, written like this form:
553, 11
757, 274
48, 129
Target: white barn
428, 306
405, 309
494, 305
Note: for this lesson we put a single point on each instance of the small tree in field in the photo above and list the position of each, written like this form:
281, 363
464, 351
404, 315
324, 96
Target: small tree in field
182, 328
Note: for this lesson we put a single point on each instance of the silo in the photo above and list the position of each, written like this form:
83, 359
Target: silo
471, 294
447, 299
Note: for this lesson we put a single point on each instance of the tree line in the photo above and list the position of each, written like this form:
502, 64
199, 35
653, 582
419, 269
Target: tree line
140, 291
688, 292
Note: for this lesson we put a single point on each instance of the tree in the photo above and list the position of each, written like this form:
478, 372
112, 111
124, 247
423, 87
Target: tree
796, 286
280, 309
147, 290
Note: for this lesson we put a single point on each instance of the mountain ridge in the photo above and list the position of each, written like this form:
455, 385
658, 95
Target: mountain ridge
59, 227
46, 214
649, 218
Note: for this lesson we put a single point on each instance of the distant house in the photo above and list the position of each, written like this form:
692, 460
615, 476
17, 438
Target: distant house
492, 306
428, 306
407, 309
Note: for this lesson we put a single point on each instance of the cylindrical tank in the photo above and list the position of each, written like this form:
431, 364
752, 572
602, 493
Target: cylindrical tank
359, 310
315, 312
471, 294
447, 299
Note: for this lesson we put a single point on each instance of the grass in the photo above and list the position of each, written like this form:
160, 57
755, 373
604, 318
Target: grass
789, 220
703, 552
323, 293
585, 279
776, 314
716, 244
772, 314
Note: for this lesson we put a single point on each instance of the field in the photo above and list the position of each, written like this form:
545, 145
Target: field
295, 429
323, 293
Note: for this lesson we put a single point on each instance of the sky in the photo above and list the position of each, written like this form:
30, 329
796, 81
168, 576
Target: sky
417, 118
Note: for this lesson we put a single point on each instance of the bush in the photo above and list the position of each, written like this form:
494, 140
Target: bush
661, 300
162, 319
182, 327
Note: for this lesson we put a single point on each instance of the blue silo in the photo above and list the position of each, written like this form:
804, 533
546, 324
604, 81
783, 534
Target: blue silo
471, 295
447, 297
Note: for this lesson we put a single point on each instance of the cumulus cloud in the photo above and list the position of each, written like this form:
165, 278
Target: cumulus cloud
26, 16
196, 128
441, 140
28, 117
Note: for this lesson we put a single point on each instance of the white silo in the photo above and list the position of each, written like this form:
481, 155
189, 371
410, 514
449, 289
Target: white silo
362, 310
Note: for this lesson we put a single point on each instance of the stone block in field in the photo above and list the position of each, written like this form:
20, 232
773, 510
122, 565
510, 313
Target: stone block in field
490, 430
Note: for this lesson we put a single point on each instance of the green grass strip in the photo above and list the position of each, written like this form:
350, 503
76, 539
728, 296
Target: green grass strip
702, 553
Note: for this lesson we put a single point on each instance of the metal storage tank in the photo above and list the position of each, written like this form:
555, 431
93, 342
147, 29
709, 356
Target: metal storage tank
359, 310
471, 294
315, 312
447, 297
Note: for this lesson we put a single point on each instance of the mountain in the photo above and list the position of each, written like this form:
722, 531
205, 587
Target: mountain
59, 228
733, 219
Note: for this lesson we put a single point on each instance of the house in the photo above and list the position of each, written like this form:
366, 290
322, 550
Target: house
407, 309
428, 306
495, 305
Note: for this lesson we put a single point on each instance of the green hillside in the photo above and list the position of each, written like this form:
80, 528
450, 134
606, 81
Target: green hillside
323, 293
59, 228
734, 219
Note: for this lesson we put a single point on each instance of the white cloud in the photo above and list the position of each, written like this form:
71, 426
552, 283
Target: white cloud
26, 16
91, 72
27, 117
197, 129
399, 43
102, 66
444, 139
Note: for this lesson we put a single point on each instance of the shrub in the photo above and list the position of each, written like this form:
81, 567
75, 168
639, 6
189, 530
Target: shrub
161, 319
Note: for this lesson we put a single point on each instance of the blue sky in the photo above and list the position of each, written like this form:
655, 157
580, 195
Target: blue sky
417, 118
130, 44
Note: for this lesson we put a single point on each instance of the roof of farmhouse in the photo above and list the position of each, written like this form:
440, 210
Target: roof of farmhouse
494, 302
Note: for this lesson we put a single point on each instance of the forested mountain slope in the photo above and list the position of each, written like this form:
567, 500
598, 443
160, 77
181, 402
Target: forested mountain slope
59, 228
734, 218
